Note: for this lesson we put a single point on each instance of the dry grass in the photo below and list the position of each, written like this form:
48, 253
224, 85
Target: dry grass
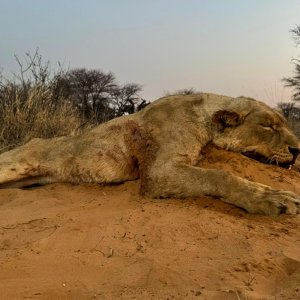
43, 102
29, 113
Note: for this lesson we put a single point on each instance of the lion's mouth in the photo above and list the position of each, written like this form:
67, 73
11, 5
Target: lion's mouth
261, 158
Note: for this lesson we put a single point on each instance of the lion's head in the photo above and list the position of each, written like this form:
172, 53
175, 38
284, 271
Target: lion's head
256, 130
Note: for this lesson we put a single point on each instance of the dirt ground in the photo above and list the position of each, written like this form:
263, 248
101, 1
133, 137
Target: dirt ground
108, 242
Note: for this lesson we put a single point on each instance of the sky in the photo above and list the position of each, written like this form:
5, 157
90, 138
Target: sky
229, 47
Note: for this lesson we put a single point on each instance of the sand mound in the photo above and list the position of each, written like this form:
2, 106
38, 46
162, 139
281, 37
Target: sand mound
96, 242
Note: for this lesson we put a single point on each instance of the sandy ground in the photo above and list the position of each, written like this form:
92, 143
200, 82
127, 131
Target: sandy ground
107, 242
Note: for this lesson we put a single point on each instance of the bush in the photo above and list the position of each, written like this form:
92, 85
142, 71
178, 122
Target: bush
37, 103
182, 92
25, 114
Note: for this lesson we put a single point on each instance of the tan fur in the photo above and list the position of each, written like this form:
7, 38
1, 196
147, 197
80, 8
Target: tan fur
161, 145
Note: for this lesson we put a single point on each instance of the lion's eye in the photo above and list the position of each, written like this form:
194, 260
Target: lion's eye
268, 127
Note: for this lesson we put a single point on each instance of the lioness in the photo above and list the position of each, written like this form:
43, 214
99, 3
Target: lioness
162, 145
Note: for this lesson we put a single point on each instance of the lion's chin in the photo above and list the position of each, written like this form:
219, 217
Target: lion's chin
263, 159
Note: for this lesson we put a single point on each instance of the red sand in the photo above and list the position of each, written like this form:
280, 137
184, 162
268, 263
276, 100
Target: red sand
94, 242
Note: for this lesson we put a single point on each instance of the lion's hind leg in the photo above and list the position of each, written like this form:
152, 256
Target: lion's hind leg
17, 176
27, 182
19, 167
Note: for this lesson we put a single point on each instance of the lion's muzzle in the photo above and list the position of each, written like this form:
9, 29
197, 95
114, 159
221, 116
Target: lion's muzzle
294, 151
284, 164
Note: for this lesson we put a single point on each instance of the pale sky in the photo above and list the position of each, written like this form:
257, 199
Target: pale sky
230, 47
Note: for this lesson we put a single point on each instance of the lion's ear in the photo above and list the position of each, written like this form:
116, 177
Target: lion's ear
225, 118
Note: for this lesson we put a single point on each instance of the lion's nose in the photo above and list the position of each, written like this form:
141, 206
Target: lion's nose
294, 151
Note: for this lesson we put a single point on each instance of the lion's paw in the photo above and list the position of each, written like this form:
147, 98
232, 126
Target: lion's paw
280, 202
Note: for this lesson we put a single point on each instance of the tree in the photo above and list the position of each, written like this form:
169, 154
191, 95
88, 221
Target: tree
292, 113
96, 95
296, 34
290, 110
89, 90
124, 99
294, 81
182, 92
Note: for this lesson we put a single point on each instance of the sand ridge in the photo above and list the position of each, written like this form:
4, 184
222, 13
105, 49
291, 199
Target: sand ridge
107, 242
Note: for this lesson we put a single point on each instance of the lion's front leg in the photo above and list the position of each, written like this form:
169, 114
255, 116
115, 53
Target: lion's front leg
179, 180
